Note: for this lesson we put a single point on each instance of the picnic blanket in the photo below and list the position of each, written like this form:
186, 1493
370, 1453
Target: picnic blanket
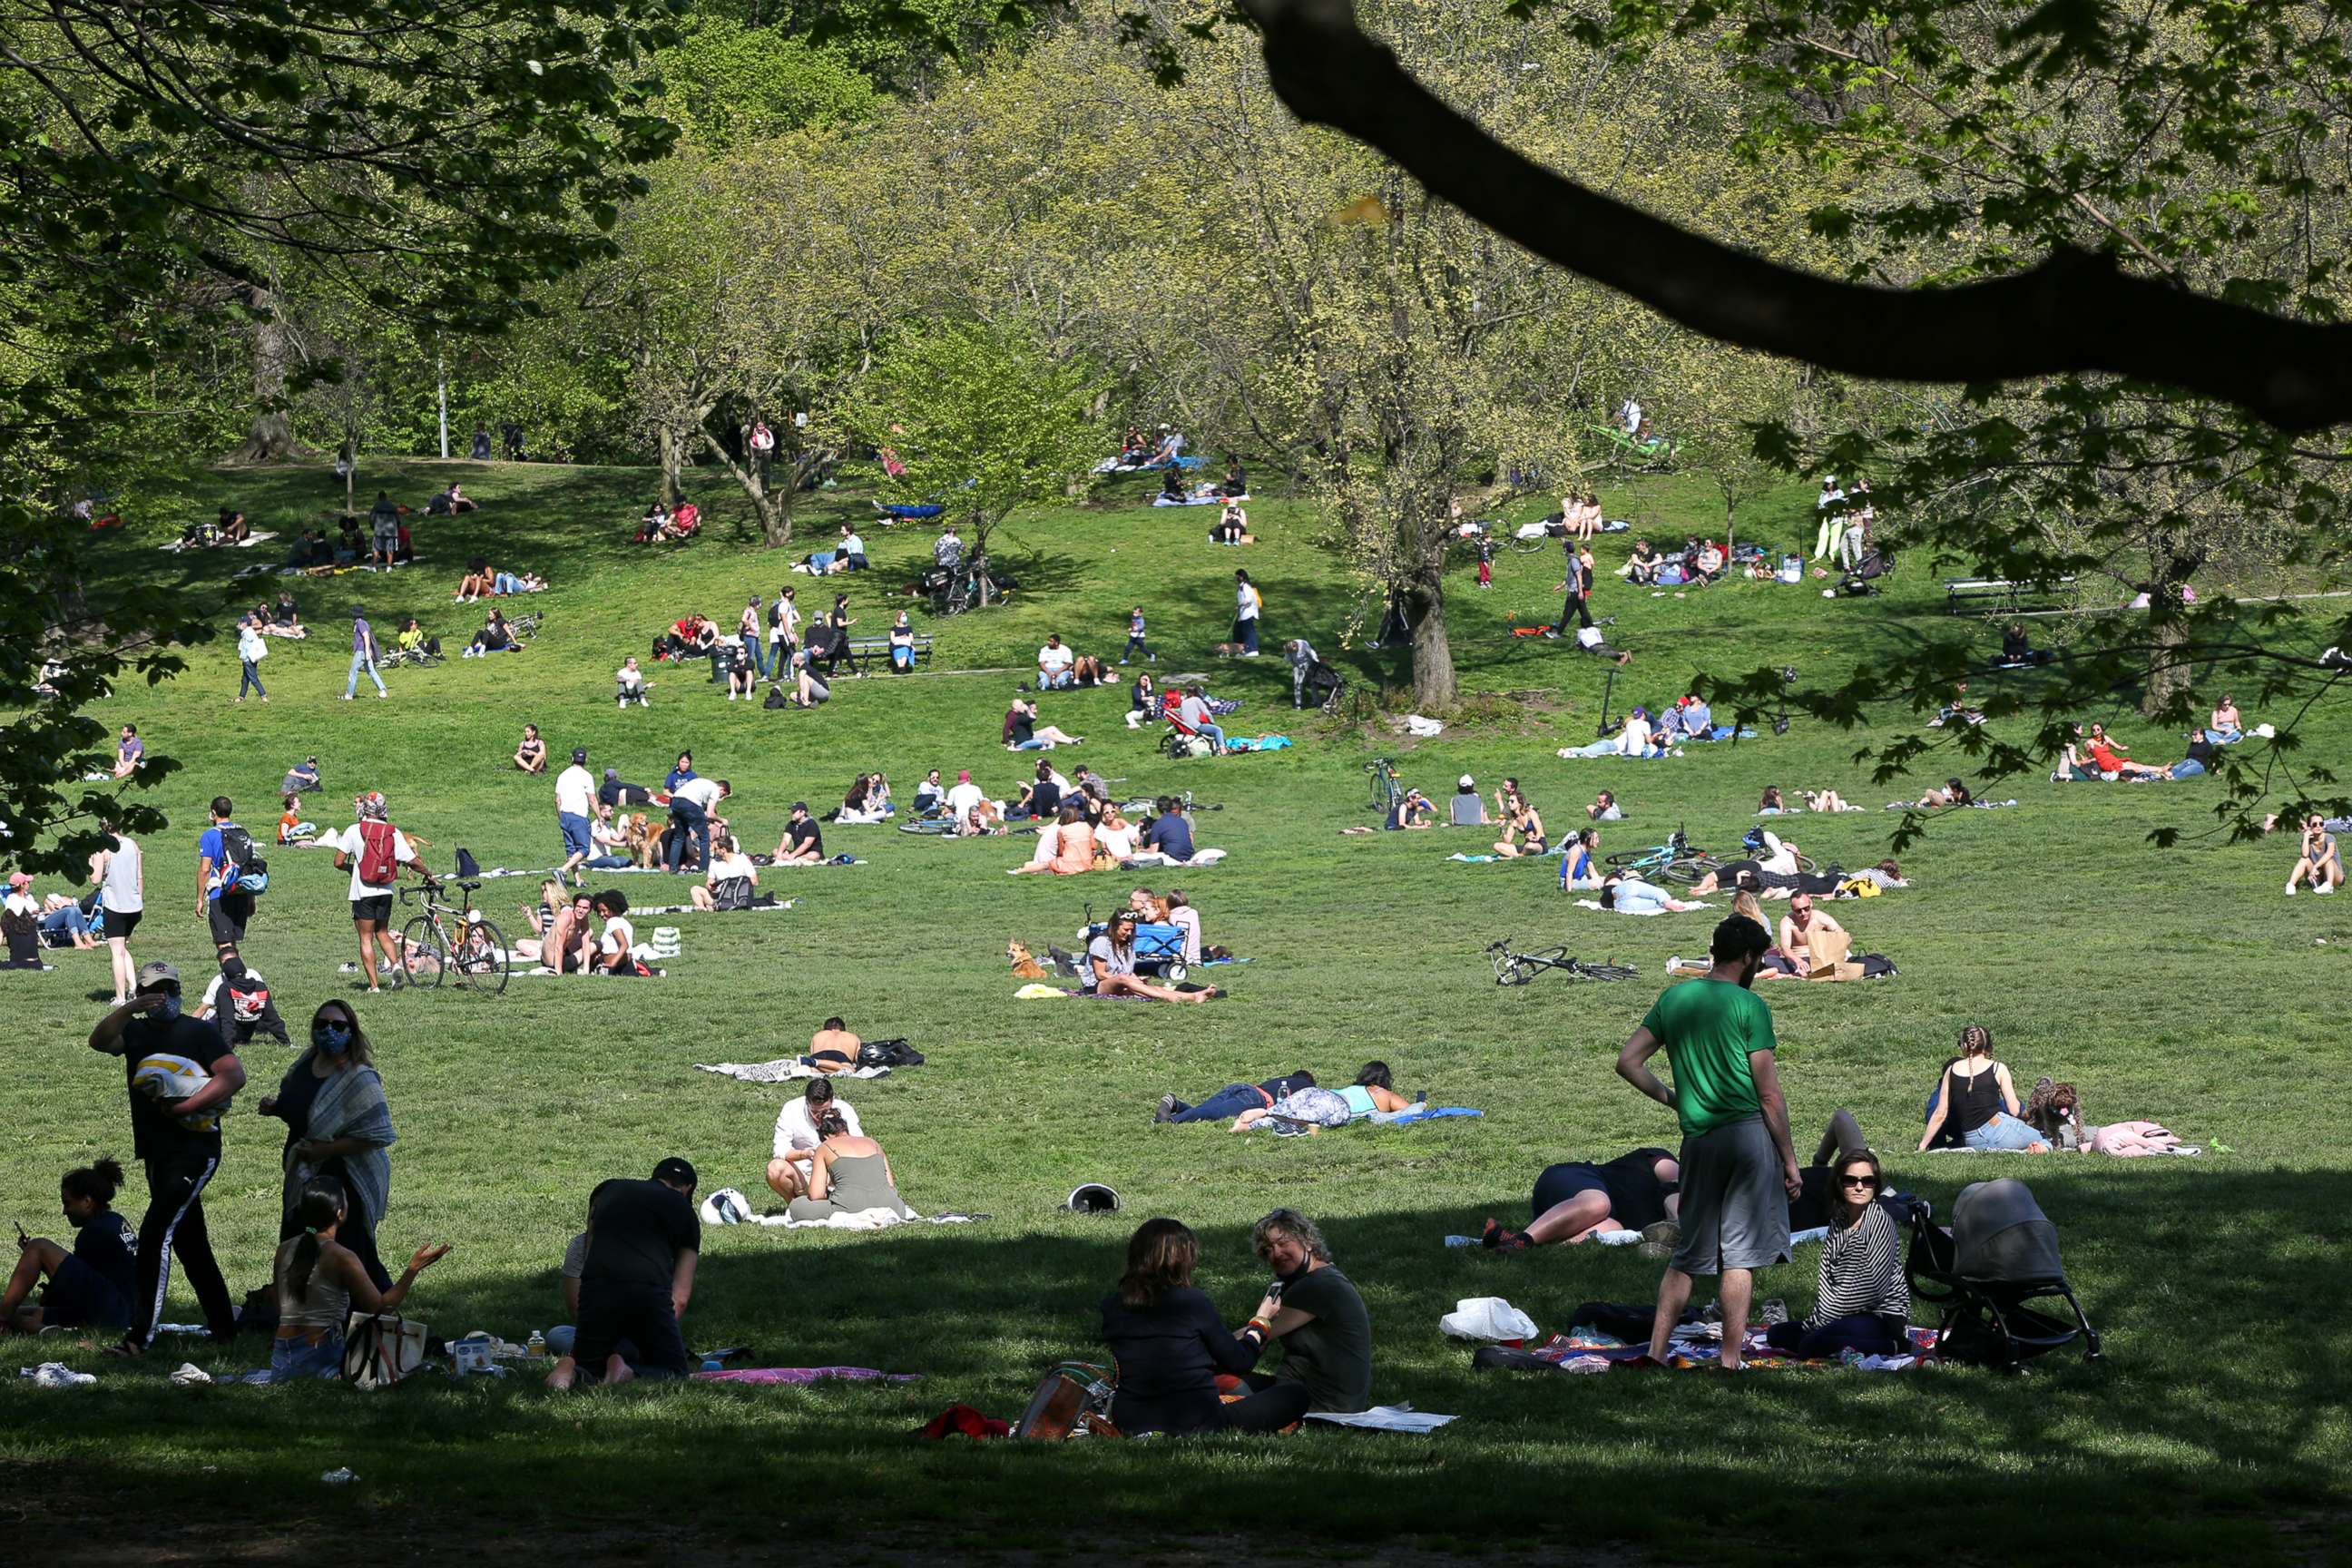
697, 910
1596, 904
250, 539
550, 871
1194, 497
865, 1219
1418, 1113
783, 1070
1200, 858
1257, 742
801, 1375
1118, 465
1697, 1345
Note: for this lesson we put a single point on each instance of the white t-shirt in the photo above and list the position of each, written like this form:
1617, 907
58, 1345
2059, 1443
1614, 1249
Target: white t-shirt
703, 793
352, 843
1053, 661
619, 936
796, 1128
1636, 739
1119, 841
1590, 637
1778, 858
212, 992
963, 798
632, 678
611, 835
724, 867
575, 791
21, 904
1247, 602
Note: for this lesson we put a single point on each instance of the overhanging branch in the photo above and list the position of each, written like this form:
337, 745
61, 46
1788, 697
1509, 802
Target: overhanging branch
2076, 312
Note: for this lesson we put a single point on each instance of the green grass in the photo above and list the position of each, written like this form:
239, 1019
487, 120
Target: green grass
2173, 986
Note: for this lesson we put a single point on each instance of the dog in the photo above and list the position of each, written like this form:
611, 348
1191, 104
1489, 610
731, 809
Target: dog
1024, 963
1228, 649
645, 841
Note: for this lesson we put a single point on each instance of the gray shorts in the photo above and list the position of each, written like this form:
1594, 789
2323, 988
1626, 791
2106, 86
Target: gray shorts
1735, 1211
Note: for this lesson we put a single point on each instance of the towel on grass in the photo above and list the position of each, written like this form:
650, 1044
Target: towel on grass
1587, 1350
1200, 858
697, 910
1418, 1113
802, 1374
1257, 742
782, 1070
865, 1219
1596, 904
1383, 1418
250, 539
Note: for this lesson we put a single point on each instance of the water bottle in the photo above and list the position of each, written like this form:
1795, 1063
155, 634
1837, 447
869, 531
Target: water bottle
712, 1364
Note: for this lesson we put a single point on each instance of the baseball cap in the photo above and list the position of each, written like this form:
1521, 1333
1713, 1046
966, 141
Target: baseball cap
580, 754
676, 1171
19, 879
157, 973
1467, 781
800, 806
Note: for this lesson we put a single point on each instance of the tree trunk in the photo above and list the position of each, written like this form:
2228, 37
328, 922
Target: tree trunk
1434, 686
773, 507
269, 437
673, 463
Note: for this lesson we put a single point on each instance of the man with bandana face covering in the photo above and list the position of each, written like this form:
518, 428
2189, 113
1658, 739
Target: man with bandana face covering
1717, 1036
178, 1141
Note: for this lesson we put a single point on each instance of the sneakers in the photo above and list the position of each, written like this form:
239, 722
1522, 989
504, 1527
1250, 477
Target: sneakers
1493, 1235
1167, 1111
1773, 1312
2325, 888
2289, 890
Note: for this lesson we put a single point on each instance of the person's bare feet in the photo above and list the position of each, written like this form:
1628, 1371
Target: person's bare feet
565, 1369
617, 1372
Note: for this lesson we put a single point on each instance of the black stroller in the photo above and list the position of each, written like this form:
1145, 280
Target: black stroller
2000, 1253
1323, 687
1863, 580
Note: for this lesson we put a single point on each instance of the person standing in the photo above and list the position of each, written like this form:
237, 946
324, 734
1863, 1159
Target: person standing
1247, 605
1135, 643
643, 1245
383, 526
252, 647
747, 628
576, 801
1830, 505
1302, 663
178, 1141
123, 889
1717, 1036
1577, 584
365, 654
374, 850
338, 1126
689, 817
223, 852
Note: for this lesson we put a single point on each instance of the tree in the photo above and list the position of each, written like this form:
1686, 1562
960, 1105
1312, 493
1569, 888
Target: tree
986, 421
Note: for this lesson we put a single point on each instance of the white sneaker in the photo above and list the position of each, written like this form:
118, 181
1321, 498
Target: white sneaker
2289, 890
2325, 888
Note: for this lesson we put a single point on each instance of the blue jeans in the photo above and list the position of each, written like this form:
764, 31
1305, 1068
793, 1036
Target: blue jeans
688, 819
362, 661
1136, 645
1247, 631
68, 919
1054, 680
2187, 768
1033, 746
251, 677
576, 840
290, 1359
2004, 1131
758, 650
1213, 732
604, 862
1605, 748
1222, 1106
506, 583
2224, 737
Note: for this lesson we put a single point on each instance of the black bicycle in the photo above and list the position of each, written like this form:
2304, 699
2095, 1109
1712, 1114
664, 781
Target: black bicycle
1517, 968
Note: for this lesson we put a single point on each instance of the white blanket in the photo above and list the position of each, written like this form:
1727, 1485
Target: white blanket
865, 1219
783, 1070
1383, 1418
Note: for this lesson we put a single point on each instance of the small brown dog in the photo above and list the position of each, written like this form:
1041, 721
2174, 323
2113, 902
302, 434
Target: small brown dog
1024, 963
645, 841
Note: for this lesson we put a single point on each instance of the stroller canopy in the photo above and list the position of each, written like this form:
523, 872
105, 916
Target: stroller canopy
1999, 1235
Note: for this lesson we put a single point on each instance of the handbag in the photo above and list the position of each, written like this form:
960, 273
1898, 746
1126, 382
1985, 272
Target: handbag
380, 1348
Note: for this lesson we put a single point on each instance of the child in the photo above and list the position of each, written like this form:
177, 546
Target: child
1485, 560
291, 828
1135, 642
92, 1284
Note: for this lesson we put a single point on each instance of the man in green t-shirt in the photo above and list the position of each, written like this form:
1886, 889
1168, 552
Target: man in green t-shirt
1717, 1036
1315, 1312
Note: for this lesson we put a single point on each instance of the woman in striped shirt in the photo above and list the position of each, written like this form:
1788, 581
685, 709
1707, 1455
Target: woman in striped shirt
1865, 1299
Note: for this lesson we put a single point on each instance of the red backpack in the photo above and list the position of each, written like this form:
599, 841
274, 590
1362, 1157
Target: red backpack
378, 864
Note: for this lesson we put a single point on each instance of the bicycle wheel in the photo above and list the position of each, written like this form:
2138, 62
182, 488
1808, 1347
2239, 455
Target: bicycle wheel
1509, 971
1633, 859
1529, 546
481, 959
1545, 958
1807, 864
1579, 970
423, 952
1690, 869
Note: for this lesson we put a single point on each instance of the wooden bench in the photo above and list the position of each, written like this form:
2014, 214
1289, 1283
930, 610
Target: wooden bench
1962, 594
860, 650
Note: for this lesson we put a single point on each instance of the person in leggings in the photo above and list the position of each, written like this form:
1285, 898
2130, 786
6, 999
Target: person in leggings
1170, 1347
1863, 1301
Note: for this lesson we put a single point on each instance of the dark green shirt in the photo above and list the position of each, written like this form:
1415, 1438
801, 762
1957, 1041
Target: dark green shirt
1708, 1029
1331, 1357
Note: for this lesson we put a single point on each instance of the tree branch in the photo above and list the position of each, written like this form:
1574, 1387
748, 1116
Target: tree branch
2076, 312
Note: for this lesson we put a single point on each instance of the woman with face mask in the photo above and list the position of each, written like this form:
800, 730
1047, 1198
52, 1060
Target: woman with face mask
331, 1100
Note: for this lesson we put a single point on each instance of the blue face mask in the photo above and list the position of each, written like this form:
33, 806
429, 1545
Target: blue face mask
171, 1007
332, 1038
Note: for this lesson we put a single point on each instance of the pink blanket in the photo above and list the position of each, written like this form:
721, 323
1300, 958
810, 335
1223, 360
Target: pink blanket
2131, 1139
800, 1374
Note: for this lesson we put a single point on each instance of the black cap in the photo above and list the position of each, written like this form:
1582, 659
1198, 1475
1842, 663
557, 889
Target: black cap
676, 1171
580, 756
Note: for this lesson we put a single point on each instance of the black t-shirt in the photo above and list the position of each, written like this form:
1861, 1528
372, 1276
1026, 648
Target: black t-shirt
636, 1232
804, 835
1635, 1199
110, 1247
154, 1134
1331, 1357
1044, 796
2200, 752
1020, 729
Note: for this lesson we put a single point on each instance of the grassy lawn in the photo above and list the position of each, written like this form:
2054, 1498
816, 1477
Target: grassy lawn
2177, 986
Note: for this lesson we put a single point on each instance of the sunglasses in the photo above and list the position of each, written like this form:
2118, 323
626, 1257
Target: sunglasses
1858, 1181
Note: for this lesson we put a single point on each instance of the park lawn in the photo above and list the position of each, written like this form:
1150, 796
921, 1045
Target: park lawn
2174, 986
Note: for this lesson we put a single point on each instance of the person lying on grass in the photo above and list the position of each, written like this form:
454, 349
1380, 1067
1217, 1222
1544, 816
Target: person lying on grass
1169, 1347
1233, 1099
1579, 1199
1372, 1090
796, 1136
320, 1283
88, 1285
1110, 967
1604, 808
833, 1047
1627, 894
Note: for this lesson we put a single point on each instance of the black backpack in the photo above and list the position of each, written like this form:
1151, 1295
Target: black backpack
245, 872
889, 1054
776, 698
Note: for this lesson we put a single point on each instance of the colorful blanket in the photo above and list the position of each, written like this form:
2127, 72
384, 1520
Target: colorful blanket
800, 1374
1584, 1349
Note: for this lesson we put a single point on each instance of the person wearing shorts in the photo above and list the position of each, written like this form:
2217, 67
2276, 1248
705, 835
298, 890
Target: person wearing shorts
122, 888
1717, 1036
226, 910
372, 901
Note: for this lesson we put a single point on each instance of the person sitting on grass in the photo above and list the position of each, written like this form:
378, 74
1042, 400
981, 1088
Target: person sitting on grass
1041, 798
796, 1136
1110, 967
848, 1174
89, 1285
1022, 732
567, 938
742, 672
1522, 832
732, 881
2321, 863
616, 948
2228, 727
1864, 1301
1412, 810
2107, 756
1143, 702
609, 837
1317, 1314
1054, 662
1581, 866
802, 843
531, 755
636, 1281
1169, 1349
291, 828
494, 638
320, 1283
1642, 565
1974, 1104
1168, 834
1578, 1200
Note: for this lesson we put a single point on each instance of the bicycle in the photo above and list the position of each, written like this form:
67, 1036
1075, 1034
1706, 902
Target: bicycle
474, 952
1518, 968
1386, 794
1672, 861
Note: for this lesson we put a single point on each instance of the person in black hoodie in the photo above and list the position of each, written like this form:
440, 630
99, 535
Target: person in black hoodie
1170, 1347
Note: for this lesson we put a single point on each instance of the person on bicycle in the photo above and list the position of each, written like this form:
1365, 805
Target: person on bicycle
375, 851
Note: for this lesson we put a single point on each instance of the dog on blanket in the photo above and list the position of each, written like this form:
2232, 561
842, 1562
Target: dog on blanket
1024, 963
644, 842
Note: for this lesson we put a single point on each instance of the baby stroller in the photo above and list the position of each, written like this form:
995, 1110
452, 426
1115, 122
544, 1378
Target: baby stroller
1862, 580
1159, 947
1323, 687
2000, 1253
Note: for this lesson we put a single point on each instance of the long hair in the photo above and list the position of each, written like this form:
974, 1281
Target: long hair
1374, 1075
98, 1182
319, 1209
1844, 1209
1161, 1256
361, 1053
